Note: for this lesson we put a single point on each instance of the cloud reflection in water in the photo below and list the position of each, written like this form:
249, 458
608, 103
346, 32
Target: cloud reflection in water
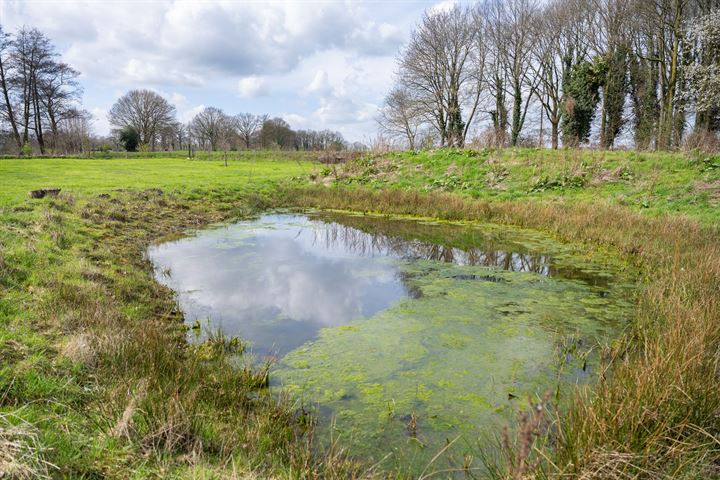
273, 283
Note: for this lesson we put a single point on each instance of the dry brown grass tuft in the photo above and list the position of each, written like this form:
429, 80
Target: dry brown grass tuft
712, 189
702, 141
330, 157
81, 348
532, 426
21, 455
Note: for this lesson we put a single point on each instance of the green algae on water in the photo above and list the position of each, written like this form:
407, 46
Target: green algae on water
454, 359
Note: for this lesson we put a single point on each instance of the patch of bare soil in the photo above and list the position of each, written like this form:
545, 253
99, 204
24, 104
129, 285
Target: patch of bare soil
609, 176
494, 178
711, 188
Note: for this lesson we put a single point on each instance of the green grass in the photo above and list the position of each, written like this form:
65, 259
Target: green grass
97, 381
657, 183
88, 176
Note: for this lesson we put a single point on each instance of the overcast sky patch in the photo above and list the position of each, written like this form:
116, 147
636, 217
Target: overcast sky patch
320, 64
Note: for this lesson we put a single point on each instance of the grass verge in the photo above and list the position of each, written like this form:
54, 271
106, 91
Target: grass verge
654, 184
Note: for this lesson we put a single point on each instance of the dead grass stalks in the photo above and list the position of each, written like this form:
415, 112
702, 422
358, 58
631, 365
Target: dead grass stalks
21, 455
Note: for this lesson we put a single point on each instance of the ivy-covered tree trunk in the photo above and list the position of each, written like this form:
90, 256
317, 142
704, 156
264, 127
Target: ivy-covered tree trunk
669, 77
643, 91
456, 126
614, 90
500, 114
516, 113
581, 99
441, 126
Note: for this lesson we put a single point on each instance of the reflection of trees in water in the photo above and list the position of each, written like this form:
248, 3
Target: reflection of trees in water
371, 244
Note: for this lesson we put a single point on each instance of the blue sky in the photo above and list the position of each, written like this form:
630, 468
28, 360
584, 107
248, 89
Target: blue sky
318, 64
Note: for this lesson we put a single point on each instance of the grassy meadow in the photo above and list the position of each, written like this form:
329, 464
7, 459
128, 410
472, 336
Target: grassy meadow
93, 176
96, 379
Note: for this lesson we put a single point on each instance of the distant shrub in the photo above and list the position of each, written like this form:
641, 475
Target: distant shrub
489, 138
130, 138
703, 141
26, 150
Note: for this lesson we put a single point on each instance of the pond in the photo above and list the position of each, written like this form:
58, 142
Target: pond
406, 334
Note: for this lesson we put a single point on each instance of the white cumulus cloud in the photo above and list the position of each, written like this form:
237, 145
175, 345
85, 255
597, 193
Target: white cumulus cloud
253, 86
320, 84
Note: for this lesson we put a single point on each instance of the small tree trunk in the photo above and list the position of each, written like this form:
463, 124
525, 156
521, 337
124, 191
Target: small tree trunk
603, 119
517, 106
8, 106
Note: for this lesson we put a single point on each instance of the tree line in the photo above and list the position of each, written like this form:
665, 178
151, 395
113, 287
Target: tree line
41, 110
146, 120
498, 72
507, 72
39, 95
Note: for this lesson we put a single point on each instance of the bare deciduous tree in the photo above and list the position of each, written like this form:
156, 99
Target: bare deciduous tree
276, 133
560, 42
38, 94
6, 85
172, 136
60, 94
319, 140
32, 56
209, 127
248, 125
144, 110
400, 116
510, 26
440, 69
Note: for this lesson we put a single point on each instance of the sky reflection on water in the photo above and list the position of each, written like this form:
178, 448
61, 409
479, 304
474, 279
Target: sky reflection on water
277, 280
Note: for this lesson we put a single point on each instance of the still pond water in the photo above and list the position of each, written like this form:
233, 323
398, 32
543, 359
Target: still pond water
406, 334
